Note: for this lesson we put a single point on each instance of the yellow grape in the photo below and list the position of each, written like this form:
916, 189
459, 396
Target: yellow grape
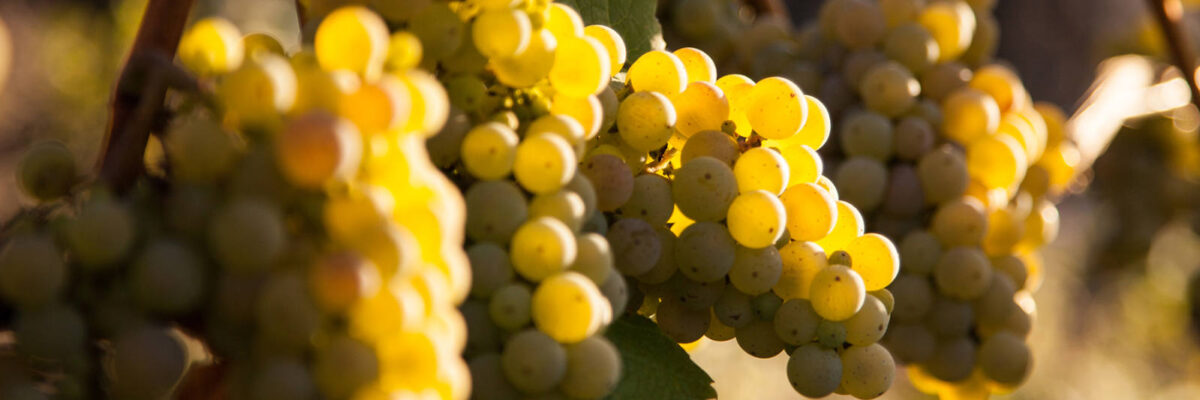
849, 226
378, 106
699, 66
952, 25
1061, 162
581, 67
1053, 119
352, 38
837, 293
761, 168
527, 67
811, 211
969, 114
875, 259
658, 71
825, 183
1002, 84
568, 307
1041, 227
541, 248
489, 151
563, 126
501, 32
404, 51
816, 128
1020, 130
613, 44
430, 103
737, 89
997, 162
316, 148
256, 93
338, 280
960, 222
563, 21
777, 108
256, 43
495, 4
544, 163
586, 110
1005, 229
646, 120
396, 308
702, 106
608, 109
756, 219
318, 89
804, 164
210, 46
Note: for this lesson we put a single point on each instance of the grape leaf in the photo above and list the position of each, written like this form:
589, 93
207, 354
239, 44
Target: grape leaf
634, 19
654, 366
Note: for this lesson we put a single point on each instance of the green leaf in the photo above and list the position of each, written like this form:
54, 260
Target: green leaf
654, 366
634, 19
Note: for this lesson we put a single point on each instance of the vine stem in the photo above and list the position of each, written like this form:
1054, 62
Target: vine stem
133, 109
1169, 14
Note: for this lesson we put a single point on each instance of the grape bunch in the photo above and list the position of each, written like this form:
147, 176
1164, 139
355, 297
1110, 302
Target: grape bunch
291, 236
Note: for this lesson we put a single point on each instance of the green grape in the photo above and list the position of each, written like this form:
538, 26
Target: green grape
1005, 359
211, 46
681, 323
875, 259
658, 71
564, 205
811, 211
756, 219
862, 181
635, 246
533, 362
858, 63
984, 41
587, 110
582, 187
867, 370
1012, 266
282, 378
510, 305
814, 371
705, 251
943, 79
146, 363
866, 133
544, 163
777, 108
766, 305
929, 111
849, 226
804, 164
569, 307
542, 247
761, 169
898, 12
755, 271
715, 144
840, 257
284, 312
483, 336
796, 322
646, 120
912, 46
704, 188
594, 259
859, 23
246, 235
943, 173
445, 148
254, 95
167, 277
665, 266
616, 292
651, 200
910, 344
801, 263
441, 31
837, 293
611, 178
997, 162
609, 108
581, 66
490, 268
199, 149
54, 331
952, 360
831, 334
949, 319
343, 366
869, 324
47, 171
488, 379
758, 339
695, 294
719, 332
501, 32
495, 209
960, 222
733, 308
701, 106
32, 271
914, 137
952, 25
969, 114
593, 369
889, 88
597, 224
529, 66
914, 297
613, 44
467, 92
257, 175
466, 60
963, 273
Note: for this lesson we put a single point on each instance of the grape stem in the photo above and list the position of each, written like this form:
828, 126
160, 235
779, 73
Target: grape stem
1169, 14
133, 111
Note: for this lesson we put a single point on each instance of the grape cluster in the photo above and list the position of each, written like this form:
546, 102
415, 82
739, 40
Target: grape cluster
291, 223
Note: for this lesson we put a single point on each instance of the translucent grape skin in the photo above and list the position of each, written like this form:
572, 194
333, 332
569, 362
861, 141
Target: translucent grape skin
837, 293
762, 169
489, 151
756, 219
646, 120
565, 307
658, 71
541, 248
801, 263
704, 188
777, 108
544, 163
811, 211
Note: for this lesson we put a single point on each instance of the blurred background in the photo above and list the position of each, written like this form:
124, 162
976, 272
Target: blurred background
1115, 317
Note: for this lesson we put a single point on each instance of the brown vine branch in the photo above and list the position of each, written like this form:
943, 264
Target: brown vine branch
132, 110
1169, 14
